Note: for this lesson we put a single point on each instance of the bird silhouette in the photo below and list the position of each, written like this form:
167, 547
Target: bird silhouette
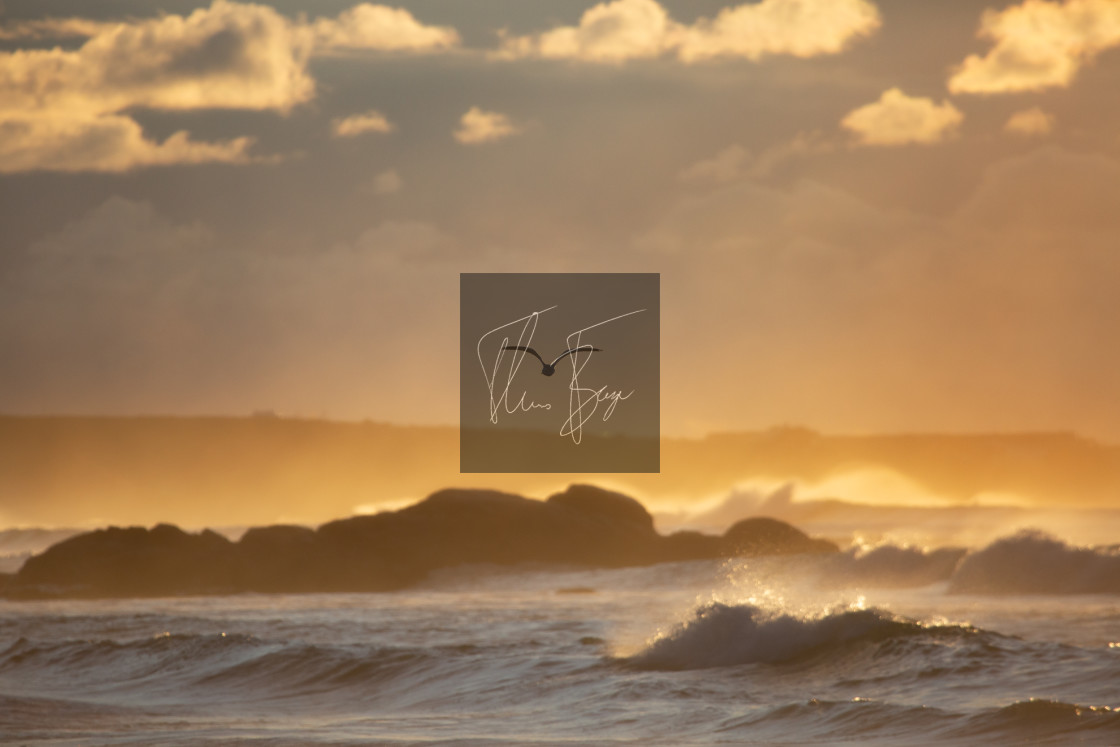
550, 368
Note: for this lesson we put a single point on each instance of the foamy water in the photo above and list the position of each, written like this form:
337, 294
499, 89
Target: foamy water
766, 651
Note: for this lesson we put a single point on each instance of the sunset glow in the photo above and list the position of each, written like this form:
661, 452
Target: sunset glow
525, 372
228, 207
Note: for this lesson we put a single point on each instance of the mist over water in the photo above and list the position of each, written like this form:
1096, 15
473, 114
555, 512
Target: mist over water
876, 507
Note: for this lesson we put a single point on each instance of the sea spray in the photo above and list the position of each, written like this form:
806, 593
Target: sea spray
1035, 562
726, 635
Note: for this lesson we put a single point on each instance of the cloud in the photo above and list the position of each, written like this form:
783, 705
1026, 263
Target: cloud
845, 309
614, 32
608, 32
843, 313
358, 124
1049, 194
1038, 44
229, 55
121, 228
97, 289
726, 166
735, 162
404, 241
50, 28
129, 309
1030, 122
757, 222
68, 107
805, 276
379, 27
802, 145
898, 119
478, 126
801, 28
105, 143
386, 183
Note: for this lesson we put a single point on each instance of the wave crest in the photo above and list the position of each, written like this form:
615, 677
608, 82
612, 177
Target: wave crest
726, 635
890, 566
1032, 562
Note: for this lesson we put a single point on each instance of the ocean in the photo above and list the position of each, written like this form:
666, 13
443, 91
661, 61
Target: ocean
743, 651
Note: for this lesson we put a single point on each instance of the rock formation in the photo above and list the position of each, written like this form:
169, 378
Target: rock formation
583, 526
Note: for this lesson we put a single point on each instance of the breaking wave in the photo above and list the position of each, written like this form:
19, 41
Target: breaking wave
1030, 562
890, 566
721, 635
1033, 562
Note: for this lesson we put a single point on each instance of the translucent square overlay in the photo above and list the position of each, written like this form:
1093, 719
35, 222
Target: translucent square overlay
585, 398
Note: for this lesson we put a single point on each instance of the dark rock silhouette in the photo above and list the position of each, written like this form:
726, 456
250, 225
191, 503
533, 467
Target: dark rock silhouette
607, 504
689, 545
128, 562
764, 536
584, 525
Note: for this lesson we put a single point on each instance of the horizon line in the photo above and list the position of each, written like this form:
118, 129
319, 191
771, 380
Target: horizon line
271, 415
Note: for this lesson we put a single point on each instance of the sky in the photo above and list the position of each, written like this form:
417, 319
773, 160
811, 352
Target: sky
868, 216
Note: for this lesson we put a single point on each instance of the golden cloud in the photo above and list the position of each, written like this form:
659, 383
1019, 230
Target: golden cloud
380, 27
478, 126
898, 119
64, 108
801, 28
229, 55
621, 30
51, 28
1030, 122
1038, 44
608, 32
102, 143
358, 124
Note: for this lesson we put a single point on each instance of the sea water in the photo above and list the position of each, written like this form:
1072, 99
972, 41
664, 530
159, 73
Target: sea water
764, 651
